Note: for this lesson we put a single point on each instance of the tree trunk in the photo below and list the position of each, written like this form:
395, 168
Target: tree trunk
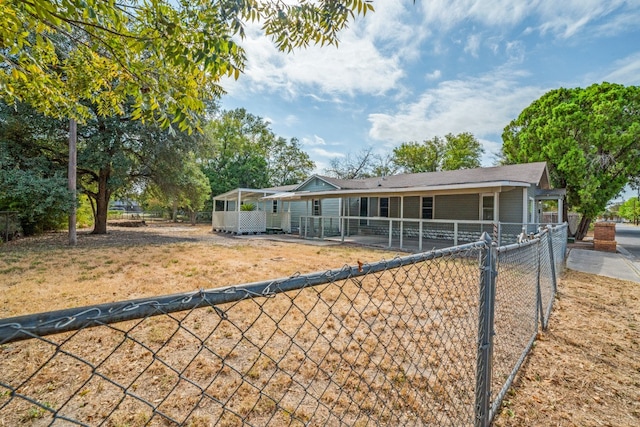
73, 154
583, 228
193, 215
174, 214
102, 203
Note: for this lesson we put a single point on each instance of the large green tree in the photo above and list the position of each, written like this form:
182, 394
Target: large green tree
75, 59
590, 139
166, 56
181, 185
114, 155
630, 209
462, 151
244, 152
31, 181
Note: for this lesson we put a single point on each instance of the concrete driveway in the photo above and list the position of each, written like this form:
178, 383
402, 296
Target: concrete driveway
624, 265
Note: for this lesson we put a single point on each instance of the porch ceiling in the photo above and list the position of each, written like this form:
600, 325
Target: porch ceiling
409, 191
244, 194
551, 194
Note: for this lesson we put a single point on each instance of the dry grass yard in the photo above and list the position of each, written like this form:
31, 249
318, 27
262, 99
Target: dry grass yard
44, 273
585, 369
354, 351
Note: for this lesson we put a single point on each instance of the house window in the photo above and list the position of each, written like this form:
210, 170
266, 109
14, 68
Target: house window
364, 210
274, 208
427, 208
531, 210
384, 207
317, 211
487, 208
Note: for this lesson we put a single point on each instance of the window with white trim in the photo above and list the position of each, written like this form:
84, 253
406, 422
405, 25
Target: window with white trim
317, 207
364, 210
427, 207
384, 207
487, 213
531, 210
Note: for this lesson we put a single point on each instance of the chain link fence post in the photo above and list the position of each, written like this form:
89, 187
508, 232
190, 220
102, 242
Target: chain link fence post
552, 259
540, 304
485, 332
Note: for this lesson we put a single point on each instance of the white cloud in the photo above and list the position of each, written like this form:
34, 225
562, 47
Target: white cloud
367, 61
570, 17
563, 19
435, 75
447, 14
515, 51
481, 105
313, 142
321, 152
291, 120
491, 151
626, 71
473, 45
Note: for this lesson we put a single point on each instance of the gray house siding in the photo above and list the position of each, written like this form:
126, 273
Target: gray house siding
394, 207
511, 206
412, 207
316, 184
465, 207
330, 207
298, 209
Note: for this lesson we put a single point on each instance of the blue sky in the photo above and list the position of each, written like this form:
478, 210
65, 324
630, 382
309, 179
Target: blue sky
409, 72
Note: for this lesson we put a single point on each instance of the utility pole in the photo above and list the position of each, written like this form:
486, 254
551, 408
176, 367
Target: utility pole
73, 137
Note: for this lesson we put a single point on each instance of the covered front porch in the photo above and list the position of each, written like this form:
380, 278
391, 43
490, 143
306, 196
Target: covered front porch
418, 222
412, 235
245, 211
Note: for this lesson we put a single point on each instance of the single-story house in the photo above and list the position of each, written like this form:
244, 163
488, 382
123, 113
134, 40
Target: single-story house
404, 211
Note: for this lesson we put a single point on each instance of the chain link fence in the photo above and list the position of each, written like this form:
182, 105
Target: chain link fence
427, 339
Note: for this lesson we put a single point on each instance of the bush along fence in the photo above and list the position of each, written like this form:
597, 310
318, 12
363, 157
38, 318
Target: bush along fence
434, 338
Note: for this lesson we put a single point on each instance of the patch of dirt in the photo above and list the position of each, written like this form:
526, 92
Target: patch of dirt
585, 369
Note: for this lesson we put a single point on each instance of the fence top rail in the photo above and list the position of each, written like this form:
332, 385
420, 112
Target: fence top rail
42, 324
542, 224
523, 244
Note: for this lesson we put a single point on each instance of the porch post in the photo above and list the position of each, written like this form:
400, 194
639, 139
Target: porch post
347, 209
390, 231
525, 205
213, 214
455, 233
342, 219
496, 215
401, 220
238, 211
560, 210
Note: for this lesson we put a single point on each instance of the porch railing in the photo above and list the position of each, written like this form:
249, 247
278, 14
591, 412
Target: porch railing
280, 221
413, 234
240, 222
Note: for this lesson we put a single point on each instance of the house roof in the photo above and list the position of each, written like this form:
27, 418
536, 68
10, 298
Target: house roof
527, 173
521, 175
